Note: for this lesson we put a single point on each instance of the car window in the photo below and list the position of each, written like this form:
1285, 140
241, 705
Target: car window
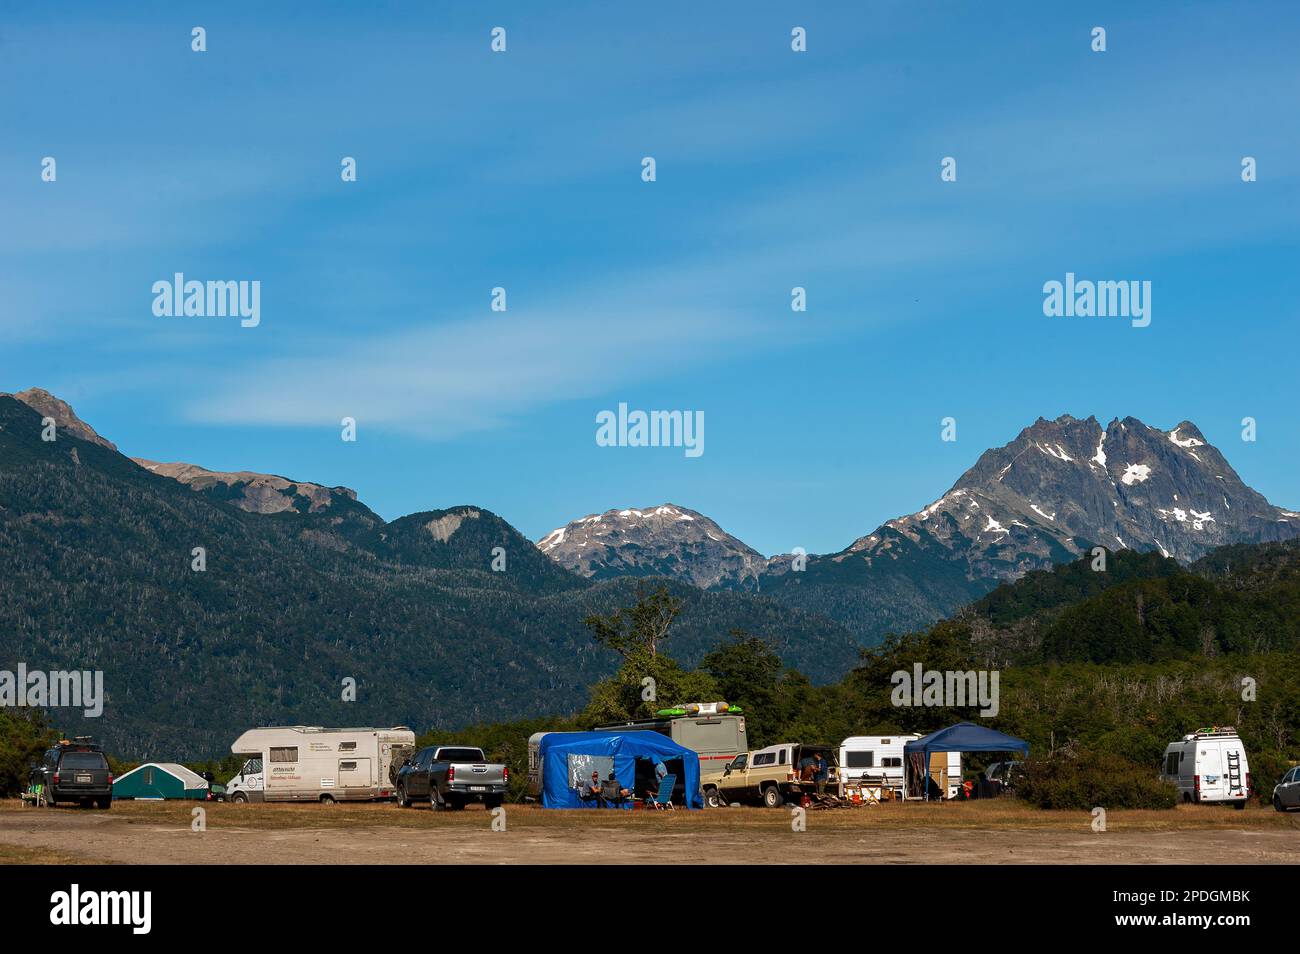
460, 755
83, 760
739, 762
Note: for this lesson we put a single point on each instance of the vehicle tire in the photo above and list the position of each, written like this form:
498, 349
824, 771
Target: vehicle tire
1277, 804
712, 798
327, 799
772, 797
103, 804
403, 799
493, 801
1239, 805
239, 798
436, 802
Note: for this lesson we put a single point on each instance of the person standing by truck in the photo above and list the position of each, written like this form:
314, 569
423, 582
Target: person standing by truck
813, 768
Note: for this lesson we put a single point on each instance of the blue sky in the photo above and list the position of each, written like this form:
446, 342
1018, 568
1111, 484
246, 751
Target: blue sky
775, 169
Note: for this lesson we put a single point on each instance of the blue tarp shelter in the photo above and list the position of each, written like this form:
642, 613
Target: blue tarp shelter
560, 750
962, 737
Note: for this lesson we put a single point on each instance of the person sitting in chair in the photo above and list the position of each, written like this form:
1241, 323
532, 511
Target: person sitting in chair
590, 791
612, 793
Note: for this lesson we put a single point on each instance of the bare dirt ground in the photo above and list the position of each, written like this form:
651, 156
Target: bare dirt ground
993, 832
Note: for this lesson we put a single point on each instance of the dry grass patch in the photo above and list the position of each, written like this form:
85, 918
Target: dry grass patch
1004, 814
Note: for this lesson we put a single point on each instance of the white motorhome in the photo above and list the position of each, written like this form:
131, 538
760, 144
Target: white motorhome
878, 759
310, 763
1209, 765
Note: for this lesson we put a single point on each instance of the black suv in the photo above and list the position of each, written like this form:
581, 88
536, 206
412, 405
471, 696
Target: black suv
75, 771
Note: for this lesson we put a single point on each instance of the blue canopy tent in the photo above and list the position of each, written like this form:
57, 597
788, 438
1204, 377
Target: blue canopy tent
962, 737
568, 757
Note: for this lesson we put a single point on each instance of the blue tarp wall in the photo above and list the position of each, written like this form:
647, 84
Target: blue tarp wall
624, 748
962, 737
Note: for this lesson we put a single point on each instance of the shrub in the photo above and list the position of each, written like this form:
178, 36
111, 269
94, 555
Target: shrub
24, 735
1084, 779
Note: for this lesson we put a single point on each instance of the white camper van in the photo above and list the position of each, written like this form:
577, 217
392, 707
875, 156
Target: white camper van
879, 759
296, 763
1209, 765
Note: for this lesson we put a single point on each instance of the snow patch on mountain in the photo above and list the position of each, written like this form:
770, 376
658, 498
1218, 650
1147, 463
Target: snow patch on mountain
1135, 474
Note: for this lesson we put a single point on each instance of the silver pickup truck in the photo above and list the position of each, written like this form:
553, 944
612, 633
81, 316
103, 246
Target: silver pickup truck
450, 777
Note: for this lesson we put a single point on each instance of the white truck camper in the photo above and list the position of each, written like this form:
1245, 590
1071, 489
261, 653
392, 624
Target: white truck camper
298, 763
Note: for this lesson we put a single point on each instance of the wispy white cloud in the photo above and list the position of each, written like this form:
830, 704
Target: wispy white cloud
467, 375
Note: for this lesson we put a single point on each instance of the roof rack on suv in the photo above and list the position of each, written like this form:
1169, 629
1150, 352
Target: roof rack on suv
80, 743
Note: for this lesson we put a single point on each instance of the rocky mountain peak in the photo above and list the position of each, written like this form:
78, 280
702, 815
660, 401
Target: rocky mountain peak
665, 540
64, 417
1064, 484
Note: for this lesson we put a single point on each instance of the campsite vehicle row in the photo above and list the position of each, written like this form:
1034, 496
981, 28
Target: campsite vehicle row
645, 761
451, 776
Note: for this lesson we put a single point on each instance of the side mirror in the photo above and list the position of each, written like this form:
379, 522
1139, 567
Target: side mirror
727, 770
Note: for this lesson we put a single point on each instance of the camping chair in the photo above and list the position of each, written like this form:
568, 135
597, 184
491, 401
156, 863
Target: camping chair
664, 797
609, 795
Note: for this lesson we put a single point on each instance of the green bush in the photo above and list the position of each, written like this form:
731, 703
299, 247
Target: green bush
24, 735
1083, 779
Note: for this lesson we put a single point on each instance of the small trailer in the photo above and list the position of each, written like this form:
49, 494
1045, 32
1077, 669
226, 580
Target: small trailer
297, 763
873, 765
1209, 765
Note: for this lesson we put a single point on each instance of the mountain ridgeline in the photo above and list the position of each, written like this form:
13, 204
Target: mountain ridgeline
96, 557
1059, 489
